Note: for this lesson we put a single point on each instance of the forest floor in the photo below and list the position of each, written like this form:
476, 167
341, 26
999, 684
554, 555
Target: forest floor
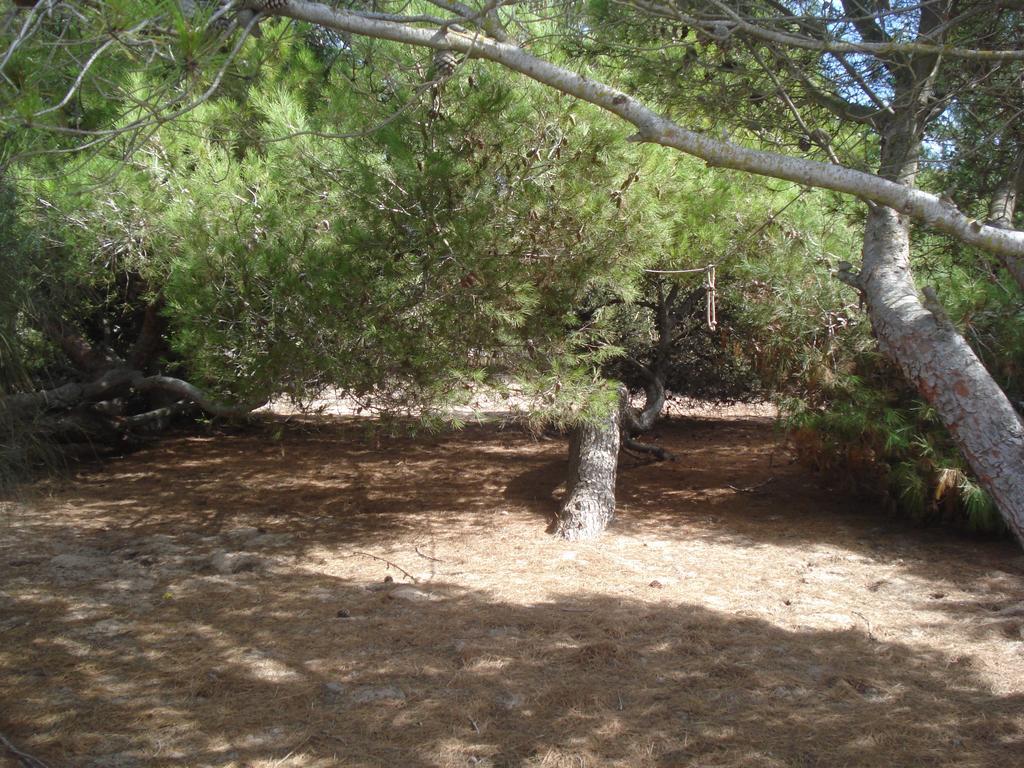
220, 600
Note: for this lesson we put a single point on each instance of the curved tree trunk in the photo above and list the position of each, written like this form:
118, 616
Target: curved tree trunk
589, 504
668, 311
636, 421
938, 360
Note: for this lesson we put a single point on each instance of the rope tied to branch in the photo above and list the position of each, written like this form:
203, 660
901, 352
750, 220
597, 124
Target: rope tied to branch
709, 294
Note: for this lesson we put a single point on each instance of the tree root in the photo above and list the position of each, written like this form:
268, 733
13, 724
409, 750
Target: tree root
635, 446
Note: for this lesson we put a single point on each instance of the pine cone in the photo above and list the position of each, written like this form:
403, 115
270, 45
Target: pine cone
445, 62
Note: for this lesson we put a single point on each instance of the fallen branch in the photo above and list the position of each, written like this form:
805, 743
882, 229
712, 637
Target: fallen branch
157, 419
70, 395
191, 392
389, 563
750, 488
427, 557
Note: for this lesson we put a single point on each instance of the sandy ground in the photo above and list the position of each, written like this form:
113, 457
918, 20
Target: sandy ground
220, 600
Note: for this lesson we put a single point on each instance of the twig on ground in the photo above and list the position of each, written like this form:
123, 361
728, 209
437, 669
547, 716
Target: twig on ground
750, 488
388, 563
281, 761
473, 723
426, 557
871, 634
24, 758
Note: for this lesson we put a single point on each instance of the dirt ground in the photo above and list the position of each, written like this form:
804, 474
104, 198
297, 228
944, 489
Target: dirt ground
220, 600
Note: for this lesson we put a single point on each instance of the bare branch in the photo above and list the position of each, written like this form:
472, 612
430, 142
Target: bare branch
880, 47
487, 18
70, 395
183, 389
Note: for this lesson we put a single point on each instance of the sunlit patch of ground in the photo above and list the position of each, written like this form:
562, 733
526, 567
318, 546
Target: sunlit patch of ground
220, 601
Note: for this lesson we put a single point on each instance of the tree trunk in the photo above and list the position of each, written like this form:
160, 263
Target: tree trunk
1004, 203
1001, 210
938, 360
589, 504
635, 421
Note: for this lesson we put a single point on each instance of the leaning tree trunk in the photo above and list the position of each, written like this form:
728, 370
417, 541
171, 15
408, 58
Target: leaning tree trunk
918, 335
938, 360
589, 504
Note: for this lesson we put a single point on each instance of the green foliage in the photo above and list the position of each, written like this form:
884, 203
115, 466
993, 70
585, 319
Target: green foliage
22, 449
328, 217
870, 433
449, 245
778, 307
792, 323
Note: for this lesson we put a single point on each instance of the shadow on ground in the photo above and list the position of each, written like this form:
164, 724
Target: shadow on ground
141, 652
259, 670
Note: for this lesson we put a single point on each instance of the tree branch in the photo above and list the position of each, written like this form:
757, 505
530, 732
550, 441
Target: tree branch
82, 354
191, 392
68, 395
71, 395
881, 47
654, 128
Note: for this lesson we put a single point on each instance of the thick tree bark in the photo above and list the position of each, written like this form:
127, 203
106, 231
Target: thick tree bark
589, 504
1004, 201
919, 336
938, 360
